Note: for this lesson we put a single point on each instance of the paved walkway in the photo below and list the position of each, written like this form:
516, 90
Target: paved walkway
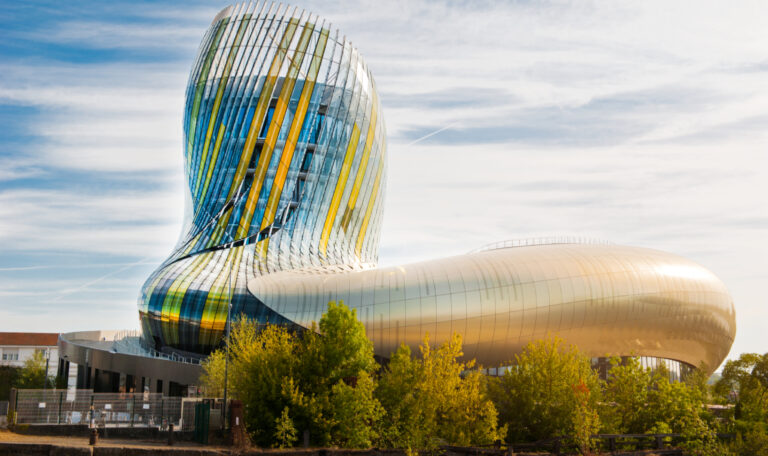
72, 441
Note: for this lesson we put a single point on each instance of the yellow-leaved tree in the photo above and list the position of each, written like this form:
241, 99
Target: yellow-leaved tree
436, 399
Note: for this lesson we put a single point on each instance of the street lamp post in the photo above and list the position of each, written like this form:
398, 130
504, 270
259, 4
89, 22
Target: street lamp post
226, 357
45, 377
229, 306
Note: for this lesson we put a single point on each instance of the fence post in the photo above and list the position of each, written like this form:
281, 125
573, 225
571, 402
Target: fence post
15, 402
58, 416
133, 407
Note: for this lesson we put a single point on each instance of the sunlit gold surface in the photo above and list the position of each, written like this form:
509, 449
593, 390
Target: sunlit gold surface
604, 299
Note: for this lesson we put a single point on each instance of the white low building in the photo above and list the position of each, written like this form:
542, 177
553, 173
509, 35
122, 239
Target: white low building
17, 347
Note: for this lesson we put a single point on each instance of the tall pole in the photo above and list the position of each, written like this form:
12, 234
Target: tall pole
226, 358
45, 377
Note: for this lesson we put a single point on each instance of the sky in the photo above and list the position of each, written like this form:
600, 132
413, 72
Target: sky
637, 123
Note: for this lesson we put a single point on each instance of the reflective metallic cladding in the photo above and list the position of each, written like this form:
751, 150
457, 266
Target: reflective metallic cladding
604, 299
285, 160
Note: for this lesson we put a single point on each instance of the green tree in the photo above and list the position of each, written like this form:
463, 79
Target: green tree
408, 413
323, 380
334, 367
435, 399
752, 442
354, 412
258, 373
679, 408
744, 383
537, 397
465, 415
212, 378
260, 358
33, 374
625, 397
586, 421
285, 432
638, 401
699, 380
343, 350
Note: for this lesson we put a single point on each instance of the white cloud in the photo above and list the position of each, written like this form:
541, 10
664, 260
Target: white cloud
115, 117
17, 168
118, 222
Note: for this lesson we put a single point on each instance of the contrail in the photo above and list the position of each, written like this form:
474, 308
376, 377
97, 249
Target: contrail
432, 134
99, 279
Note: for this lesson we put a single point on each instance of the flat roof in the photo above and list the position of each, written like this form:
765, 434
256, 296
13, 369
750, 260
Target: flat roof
29, 339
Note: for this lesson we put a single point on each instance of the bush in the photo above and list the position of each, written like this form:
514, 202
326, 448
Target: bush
289, 383
753, 442
435, 400
33, 374
550, 391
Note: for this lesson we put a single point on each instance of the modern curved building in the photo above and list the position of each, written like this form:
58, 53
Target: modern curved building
285, 164
285, 154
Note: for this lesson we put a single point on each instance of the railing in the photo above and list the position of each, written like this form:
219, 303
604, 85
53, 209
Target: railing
530, 242
130, 342
3, 408
152, 353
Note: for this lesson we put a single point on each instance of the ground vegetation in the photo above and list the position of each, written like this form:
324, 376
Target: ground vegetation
324, 382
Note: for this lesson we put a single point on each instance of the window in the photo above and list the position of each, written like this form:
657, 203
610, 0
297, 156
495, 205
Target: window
313, 126
255, 156
306, 162
267, 121
298, 189
10, 354
315, 132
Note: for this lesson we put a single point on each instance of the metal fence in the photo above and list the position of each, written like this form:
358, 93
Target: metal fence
3, 408
106, 409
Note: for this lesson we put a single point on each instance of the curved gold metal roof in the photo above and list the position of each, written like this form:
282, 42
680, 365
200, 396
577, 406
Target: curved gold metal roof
605, 299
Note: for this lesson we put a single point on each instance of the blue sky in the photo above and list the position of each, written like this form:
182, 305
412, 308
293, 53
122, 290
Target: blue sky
642, 124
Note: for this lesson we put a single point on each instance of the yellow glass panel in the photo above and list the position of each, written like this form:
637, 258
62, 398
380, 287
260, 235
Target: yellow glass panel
294, 132
340, 184
362, 167
216, 105
257, 120
369, 209
273, 132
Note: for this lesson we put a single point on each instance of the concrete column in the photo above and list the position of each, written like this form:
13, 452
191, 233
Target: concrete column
61, 374
92, 374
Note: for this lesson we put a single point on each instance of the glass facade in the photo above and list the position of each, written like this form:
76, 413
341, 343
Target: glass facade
678, 371
285, 159
285, 163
